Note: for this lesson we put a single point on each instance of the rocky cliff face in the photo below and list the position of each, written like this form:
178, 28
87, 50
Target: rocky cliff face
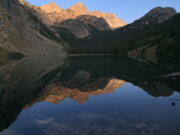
78, 20
82, 26
22, 31
110, 18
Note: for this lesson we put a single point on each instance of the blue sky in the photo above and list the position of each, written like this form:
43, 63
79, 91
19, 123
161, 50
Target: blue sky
128, 10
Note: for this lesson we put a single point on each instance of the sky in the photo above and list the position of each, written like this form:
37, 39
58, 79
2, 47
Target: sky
127, 10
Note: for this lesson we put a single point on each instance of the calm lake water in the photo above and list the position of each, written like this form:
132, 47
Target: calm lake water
88, 96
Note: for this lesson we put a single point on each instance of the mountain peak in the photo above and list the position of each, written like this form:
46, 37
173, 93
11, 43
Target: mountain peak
161, 11
51, 7
52, 4
79, 7
157, 15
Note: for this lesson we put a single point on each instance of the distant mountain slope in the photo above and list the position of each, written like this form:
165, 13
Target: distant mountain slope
81, 27
22, 31
160, 43
117, 41
78, 20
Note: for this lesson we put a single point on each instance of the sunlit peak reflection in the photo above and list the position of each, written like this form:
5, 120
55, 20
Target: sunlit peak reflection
55, 93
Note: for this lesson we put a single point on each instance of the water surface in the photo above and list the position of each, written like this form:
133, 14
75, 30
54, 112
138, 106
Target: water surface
87, 96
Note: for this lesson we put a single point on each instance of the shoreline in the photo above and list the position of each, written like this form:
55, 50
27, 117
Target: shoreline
72, 55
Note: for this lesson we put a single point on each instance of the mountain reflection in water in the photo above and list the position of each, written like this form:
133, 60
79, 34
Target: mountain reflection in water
112, 92
56, 93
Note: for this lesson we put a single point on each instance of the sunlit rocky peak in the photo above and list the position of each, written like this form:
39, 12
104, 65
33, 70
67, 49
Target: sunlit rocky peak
79, 7
57, 14
52, 7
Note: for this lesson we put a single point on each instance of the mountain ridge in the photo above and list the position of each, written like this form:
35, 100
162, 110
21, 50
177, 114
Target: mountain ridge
58, 18
27, 29
80, 9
